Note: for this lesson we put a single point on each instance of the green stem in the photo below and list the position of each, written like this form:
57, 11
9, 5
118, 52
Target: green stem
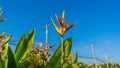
63, 52
1, 52
0, 57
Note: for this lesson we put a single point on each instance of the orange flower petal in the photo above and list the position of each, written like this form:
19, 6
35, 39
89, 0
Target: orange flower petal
61, 32
4, 41
34, 50
3, 33
43, 50
1, 20
57, 29
51, 46
68, 27
63, 16
37, 48
45, 59
59, 21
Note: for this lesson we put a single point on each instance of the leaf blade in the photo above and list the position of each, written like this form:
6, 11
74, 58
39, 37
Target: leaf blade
55, 60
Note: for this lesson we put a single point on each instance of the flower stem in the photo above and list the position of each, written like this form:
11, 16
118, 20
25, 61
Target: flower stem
1, 52
0, 57
63, 52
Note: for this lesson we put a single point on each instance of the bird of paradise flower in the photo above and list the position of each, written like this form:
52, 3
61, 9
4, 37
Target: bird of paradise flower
64, 27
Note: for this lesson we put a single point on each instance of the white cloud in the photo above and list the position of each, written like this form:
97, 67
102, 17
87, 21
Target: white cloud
109, 41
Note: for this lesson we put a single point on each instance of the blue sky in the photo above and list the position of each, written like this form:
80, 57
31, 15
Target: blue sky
98, 21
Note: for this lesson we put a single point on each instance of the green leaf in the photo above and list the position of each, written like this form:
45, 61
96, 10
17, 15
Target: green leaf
18, 52
9, 58
24, 45
55, 60
19, 45
2, 64
29, 42
76, 58
75, 65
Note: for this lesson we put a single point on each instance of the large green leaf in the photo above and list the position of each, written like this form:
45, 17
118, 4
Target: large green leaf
2, 64
55, 60
18, 52
24, 45
19, 45
9, 58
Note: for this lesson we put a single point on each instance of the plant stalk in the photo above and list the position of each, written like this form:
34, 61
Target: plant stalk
47, 47
1, 52
106, 60
63, 53
94, 56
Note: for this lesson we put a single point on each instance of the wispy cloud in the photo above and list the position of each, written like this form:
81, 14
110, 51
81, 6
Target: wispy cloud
109, 41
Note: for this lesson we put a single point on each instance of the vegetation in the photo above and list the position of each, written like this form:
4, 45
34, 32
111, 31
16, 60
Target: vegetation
28, 56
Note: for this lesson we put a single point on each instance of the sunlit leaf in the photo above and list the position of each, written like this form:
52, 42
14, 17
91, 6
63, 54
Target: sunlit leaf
55, 60
24, 46
9, 58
